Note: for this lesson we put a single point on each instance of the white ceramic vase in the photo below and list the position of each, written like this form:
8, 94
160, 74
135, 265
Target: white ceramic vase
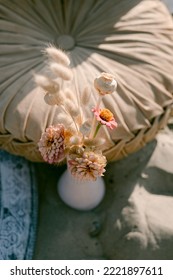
80, 195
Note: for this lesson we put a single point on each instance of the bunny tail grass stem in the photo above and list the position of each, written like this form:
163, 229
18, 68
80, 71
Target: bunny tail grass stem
63, 108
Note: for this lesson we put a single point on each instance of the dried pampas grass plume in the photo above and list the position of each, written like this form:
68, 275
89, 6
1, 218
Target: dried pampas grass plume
69, 94
46, 83
86, 94
71, 108
62, 71
65, 119
57, 55
54, 99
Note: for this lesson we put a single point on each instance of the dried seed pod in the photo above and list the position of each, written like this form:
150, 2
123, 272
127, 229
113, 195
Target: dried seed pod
105, 83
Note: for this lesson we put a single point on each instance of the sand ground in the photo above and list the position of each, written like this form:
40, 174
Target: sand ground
134, 221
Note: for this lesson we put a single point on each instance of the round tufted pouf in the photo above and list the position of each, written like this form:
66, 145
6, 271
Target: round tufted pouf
131, 39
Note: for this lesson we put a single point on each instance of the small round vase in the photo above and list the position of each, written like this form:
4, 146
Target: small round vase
80, 195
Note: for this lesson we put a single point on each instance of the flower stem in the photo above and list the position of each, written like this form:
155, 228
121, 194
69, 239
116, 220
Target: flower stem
98, 102
77, 129
97, 129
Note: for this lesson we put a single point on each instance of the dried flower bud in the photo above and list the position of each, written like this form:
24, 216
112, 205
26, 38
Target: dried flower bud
61, 71
86, 94
58, 55
105, 84
46, 83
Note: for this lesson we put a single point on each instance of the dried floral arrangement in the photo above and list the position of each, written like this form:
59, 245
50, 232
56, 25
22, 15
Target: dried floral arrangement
75, 139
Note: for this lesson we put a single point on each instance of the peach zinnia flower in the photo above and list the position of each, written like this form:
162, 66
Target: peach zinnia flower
87, 165
51, 144
105, 117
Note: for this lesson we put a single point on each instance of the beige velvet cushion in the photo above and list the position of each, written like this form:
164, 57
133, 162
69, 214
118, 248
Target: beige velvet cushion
131, 39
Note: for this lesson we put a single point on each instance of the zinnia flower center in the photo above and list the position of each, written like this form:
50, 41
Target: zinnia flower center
49, 142
106, 115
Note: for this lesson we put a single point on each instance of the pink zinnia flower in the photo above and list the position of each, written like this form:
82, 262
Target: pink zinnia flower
87, 165
105, 117
51, 144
